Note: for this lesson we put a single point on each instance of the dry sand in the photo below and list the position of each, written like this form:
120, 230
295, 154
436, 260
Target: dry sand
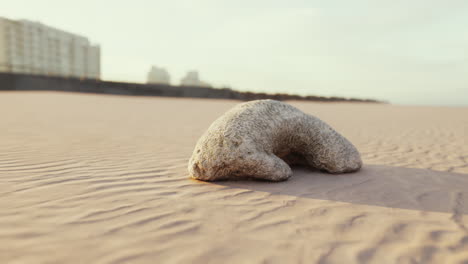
102, 179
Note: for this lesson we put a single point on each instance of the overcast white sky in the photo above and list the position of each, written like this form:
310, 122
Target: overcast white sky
407, 52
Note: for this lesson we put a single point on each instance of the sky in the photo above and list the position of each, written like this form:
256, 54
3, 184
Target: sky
402, 51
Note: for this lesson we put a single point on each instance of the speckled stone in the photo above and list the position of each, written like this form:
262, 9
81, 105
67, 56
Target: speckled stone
258, 139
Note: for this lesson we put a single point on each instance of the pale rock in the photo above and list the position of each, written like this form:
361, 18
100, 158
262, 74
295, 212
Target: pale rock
258, 139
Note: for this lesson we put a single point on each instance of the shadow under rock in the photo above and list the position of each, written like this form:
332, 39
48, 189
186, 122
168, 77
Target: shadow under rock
376, 185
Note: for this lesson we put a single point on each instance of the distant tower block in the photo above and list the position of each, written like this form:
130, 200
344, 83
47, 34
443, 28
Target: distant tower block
192, 79
34, 48
158, 75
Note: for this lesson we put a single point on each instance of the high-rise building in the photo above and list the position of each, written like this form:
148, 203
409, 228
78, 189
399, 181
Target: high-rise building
192, 79
158, 75
33, 48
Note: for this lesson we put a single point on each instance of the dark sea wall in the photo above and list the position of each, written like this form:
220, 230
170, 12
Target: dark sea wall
24, 82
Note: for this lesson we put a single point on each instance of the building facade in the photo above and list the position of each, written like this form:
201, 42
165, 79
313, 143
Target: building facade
33, 48
192, 78
158, 75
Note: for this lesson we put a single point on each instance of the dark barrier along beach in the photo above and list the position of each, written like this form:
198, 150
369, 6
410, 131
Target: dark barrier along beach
26, 82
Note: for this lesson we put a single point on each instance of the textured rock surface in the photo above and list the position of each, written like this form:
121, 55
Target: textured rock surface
258, 139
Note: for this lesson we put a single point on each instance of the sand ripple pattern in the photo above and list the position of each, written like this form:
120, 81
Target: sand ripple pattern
102, 179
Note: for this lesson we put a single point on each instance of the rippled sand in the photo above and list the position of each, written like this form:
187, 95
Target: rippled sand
102, 179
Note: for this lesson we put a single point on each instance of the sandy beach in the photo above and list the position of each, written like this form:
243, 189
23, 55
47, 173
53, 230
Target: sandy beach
103, 179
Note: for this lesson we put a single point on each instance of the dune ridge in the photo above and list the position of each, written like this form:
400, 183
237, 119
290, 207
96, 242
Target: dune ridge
102, 179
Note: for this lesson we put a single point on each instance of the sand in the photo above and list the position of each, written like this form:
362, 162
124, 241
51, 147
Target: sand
103, 179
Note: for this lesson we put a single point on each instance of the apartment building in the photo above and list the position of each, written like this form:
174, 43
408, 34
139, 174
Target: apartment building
158, 75
34, 48
192, 78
